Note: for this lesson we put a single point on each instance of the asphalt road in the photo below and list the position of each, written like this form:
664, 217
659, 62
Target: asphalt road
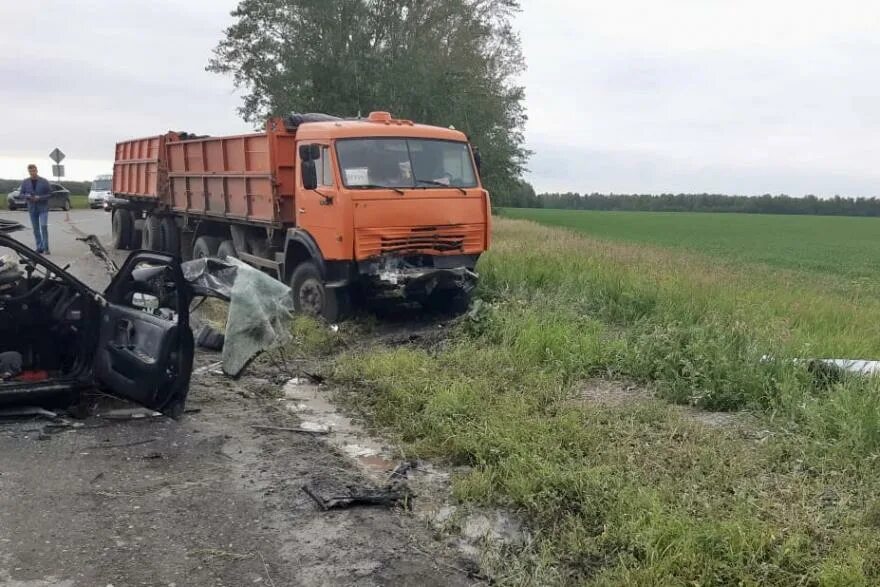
211, 499
64, 229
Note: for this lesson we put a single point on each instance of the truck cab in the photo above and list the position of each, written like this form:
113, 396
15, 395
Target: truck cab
393, 206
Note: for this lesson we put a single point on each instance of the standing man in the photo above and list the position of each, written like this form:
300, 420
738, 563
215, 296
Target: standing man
38, 191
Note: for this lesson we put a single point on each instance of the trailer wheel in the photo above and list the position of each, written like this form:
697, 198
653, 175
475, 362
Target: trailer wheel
312, 298
227, 249
169, 236
123, 226
153, 233
206, 246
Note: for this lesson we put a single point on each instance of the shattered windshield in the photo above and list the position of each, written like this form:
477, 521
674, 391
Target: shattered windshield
409, 163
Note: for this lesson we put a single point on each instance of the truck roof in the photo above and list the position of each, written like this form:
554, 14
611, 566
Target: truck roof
379, 124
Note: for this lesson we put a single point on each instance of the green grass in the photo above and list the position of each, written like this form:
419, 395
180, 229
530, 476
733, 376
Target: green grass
79, 202
642, 492
840, 246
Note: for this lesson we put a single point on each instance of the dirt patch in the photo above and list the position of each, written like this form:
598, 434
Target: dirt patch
605, 393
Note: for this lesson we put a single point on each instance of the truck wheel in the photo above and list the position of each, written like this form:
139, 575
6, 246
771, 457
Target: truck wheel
169, 235
311, 297
152, 233
206, 246
227, 249
123, 226
447, 301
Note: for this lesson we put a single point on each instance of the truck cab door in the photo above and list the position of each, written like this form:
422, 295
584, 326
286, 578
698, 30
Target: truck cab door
320, 211
145, 345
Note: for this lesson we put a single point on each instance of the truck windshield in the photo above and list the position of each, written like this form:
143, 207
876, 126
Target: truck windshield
409, 163
101, 185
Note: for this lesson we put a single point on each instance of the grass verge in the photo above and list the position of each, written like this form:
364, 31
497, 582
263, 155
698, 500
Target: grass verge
642, 493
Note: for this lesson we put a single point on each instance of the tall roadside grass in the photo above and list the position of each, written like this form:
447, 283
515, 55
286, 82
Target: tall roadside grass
641, 492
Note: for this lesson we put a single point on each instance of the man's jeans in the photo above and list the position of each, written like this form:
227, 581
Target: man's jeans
40, 223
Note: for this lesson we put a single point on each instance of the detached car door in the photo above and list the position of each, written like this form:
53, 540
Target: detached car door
145, 345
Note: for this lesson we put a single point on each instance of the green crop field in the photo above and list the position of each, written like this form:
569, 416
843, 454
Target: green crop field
843, 246
582, 394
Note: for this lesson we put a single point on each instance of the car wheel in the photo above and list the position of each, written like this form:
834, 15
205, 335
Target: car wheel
123, 226
227, 249
170, 236
66, 206
205, 246
10, 205
312, 298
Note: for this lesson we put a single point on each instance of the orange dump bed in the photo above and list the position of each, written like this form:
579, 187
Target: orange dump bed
245, 177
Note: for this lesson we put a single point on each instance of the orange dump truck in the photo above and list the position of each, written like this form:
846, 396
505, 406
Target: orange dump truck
336, 208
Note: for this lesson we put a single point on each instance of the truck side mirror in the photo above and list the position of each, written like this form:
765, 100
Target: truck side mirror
309, 174
309, 152
478, 159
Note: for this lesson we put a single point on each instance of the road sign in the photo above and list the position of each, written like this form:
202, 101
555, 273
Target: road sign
58, 170
57, 156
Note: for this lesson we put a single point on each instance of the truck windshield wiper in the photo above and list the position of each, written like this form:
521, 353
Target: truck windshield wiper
375, 186
441, 184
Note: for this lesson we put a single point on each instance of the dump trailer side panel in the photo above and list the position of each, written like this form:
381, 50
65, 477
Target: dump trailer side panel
240, 178
139, 169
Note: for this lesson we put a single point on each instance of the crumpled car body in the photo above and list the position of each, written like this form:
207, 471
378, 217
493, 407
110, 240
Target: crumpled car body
132, 341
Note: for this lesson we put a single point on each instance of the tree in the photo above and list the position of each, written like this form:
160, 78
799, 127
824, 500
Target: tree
442, 62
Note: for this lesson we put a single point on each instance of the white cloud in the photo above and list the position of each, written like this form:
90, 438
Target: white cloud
634, 95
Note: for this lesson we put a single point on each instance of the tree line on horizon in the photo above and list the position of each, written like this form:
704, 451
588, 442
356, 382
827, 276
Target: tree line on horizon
524, 196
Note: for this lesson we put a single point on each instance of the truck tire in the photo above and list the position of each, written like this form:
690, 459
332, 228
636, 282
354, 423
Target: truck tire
227, 249
312, 298
452, 302
152, 233
206, 246
123, 226
169, 236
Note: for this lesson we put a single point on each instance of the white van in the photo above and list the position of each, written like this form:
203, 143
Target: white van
101, 190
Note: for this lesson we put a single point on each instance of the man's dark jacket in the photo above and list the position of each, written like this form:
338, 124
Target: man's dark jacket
43, 191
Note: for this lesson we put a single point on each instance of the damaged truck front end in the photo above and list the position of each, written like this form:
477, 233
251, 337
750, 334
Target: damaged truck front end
441, 283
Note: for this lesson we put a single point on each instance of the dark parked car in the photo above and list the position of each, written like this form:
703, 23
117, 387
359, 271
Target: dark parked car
60, 338
60, 198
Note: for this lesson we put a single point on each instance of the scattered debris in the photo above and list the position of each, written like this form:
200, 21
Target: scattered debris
25, 411
129, 414
855, 366
213, 367
314, 377
100, 252
210, 338
367, 497
260, 307
286, 429
10, 225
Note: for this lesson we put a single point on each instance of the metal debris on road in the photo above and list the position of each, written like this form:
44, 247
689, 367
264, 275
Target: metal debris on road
366, 497
100, 252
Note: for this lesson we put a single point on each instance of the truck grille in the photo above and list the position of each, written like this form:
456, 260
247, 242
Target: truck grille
458, 239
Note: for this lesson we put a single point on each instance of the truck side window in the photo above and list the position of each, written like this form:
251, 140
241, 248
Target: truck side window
324, 167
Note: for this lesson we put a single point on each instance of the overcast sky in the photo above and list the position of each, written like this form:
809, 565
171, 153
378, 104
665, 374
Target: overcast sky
629, 96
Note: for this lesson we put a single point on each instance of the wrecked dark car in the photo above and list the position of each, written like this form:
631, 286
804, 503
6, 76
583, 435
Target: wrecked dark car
60, 338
